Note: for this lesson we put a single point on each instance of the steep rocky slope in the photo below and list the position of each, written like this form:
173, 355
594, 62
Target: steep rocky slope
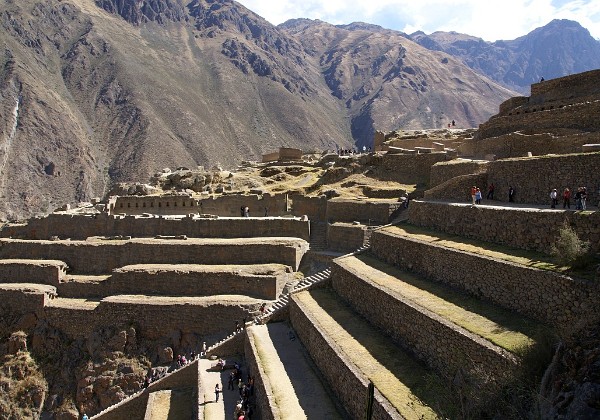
560, 48
387, 81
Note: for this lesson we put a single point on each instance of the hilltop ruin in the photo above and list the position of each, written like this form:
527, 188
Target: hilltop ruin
373, 268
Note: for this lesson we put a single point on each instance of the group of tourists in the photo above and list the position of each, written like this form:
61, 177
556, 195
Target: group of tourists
244, 408
244, 211
580, 198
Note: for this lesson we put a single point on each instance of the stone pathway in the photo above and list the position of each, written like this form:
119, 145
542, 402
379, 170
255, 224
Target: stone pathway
505, 204
310, 393
222, 409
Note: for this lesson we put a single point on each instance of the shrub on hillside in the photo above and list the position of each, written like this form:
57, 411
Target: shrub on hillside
569, 249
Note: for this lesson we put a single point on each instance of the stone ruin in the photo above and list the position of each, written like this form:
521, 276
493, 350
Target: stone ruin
433, 301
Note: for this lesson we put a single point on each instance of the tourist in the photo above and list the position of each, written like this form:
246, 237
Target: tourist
266, 212
230, 381
203, 352
242, 211
453, 123
473, 192
240, 386
554, 198
567, 198
578, 199
221, 364
192, 355
246, 212
85, 417
237, 326
478, 196
217, 390
490, 194
511, 194
583, 198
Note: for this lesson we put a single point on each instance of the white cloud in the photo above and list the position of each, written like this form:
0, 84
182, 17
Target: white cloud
490, 20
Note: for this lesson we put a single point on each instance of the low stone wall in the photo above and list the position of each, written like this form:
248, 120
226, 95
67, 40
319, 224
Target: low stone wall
101, 257
444, 171
313, 207
22, 298
135, 408
373, 212
408, 169
538, 229
265, 401
264, 281
547, 296
348, 384
444, 346
154, 317
345, 237
84, 226
32, 271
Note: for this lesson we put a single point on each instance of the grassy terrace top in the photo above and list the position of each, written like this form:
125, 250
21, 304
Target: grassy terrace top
518, 256
401, 379
95, 241
510, 331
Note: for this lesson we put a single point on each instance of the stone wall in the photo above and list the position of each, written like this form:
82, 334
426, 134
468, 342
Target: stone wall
345, 237
313, 207
441, 344
458, 188
32, 271
134, 408
520, 144
348, 384
533, 178
544, 118
538, 229
374, 212
154, 317
408, 169
101, 257
265, 402
84, 226
258, 281
22, 298
568, 87
444, 171
550, 297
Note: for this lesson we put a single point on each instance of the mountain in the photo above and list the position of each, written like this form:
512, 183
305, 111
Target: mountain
560, 48
97, 92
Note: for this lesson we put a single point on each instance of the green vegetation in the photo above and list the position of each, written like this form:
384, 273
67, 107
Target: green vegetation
569, 249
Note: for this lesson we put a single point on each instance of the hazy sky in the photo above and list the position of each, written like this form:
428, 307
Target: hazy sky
488, 19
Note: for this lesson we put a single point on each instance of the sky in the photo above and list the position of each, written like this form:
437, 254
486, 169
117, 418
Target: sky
491, 20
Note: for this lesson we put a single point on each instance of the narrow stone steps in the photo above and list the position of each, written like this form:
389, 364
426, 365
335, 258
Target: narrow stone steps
285, 375
433, 320
350, 352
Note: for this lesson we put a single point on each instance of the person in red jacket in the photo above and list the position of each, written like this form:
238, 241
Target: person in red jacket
566, 198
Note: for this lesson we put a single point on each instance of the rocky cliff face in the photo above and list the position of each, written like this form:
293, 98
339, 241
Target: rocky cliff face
560, 48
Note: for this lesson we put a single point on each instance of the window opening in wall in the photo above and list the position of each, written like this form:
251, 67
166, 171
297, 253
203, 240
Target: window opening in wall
152, 204
159, 204
183, 203
121, 205
143, 204
128, 205
137, 204
167, 204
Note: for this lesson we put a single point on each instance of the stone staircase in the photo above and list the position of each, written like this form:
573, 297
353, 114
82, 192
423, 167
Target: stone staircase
318, 236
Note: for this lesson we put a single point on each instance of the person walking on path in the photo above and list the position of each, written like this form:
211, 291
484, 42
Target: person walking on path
478, 196
578, 199
490, 194
230, 381
554, 198
583, 198
567, 198
473, 192
217, 391
511, 194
